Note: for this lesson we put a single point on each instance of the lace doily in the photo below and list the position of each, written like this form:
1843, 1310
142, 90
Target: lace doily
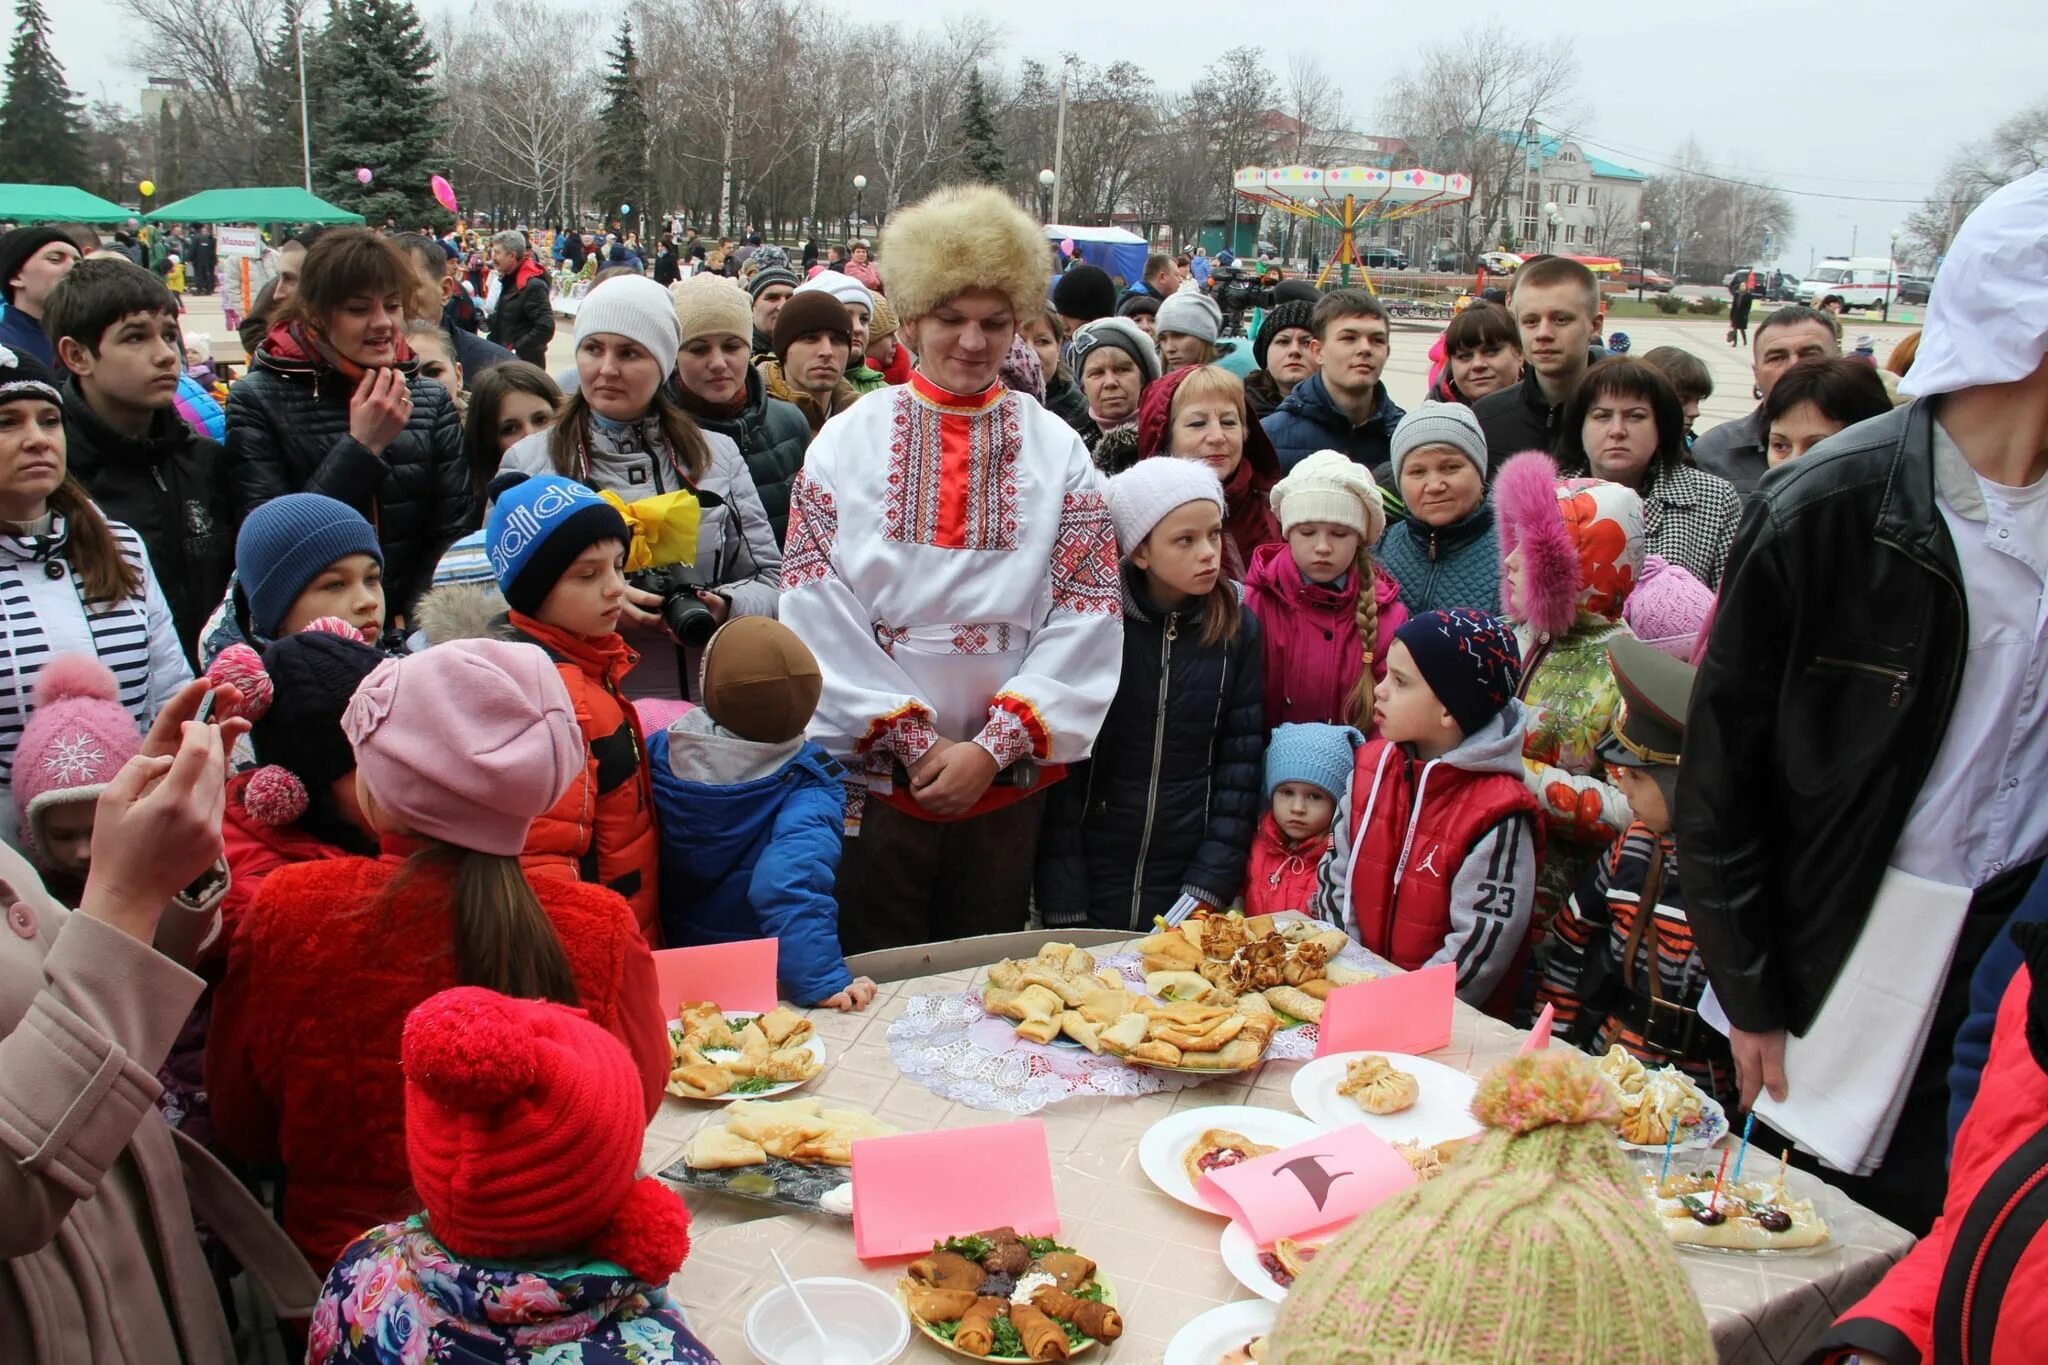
952, 1047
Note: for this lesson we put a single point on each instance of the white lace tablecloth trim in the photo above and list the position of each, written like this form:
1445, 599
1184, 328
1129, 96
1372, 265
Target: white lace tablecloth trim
952, 1047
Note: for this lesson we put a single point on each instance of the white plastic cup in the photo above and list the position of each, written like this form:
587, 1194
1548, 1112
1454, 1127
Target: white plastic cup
866, 1325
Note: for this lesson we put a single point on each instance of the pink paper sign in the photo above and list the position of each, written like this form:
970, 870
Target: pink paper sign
1539, 1036
737, 977
920, 1188
1406, 1012
1322, 1183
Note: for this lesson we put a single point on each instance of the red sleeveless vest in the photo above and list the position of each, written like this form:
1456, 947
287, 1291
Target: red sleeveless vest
1404, 861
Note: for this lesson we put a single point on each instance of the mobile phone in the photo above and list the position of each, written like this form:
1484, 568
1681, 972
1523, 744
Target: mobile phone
204, 715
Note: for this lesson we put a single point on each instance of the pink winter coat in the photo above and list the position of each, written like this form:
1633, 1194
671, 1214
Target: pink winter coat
1313, 657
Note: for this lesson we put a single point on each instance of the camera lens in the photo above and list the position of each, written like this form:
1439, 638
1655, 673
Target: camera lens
688, 619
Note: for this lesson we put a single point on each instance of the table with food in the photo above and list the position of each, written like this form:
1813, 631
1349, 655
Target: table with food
1152, 1064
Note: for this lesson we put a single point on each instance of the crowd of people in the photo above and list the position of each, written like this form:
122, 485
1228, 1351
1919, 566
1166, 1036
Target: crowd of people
369, 731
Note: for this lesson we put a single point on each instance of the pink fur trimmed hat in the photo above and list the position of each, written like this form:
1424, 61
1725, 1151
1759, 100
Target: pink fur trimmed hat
1578, 544
77, 737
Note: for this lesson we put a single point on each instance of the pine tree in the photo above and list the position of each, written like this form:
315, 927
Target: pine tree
42, 124
623, 135
980, 143
378, 109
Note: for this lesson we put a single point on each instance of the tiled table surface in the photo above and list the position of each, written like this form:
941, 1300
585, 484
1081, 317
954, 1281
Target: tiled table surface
1162, 1255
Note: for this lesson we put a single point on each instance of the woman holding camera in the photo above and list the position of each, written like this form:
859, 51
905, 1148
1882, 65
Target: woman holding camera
620, 432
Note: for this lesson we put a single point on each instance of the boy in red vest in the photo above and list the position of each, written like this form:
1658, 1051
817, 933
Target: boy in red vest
1435, 845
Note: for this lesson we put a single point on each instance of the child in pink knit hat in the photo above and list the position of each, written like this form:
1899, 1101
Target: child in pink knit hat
1668, 608
77, 738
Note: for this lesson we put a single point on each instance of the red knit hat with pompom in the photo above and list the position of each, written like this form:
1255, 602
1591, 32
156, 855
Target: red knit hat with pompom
523, 1123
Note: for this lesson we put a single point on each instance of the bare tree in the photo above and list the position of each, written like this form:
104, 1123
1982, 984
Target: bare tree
1471, 106
219, 53
1234, 101
1112, 114
1315, 128
2016, 147
912, 84
521, 96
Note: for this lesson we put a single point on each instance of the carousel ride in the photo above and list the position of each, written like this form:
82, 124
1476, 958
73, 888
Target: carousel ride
1349, 198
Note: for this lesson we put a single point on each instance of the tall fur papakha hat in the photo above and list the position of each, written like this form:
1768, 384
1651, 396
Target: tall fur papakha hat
966, 237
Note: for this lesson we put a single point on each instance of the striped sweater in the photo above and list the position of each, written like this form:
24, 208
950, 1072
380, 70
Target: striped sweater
43, 614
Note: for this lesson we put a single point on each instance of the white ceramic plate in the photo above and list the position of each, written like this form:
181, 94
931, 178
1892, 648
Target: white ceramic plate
1167, 1141
1241, 1259
1218, 1332
1712, 1127
1442, 1111
813, 1045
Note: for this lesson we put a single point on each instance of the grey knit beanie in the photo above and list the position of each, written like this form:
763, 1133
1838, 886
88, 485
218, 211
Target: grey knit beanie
1440, 424
1191, 313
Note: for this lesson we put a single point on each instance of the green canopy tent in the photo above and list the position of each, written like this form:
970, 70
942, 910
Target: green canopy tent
284, 204
57, 204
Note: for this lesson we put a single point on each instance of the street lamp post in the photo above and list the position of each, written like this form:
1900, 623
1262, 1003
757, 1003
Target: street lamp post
1642, 256
1891, 278
1046, 180
860, 183
1552, 213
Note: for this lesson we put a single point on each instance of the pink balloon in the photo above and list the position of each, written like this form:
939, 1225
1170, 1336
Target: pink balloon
364, 174
444, 193
1067, 247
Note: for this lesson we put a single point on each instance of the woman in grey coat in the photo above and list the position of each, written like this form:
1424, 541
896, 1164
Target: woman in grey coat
619, 431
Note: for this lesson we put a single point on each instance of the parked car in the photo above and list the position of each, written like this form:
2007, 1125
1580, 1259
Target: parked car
1383, 258
1627, 279
1840, 283
1444, 262
1499, 262
1915, 288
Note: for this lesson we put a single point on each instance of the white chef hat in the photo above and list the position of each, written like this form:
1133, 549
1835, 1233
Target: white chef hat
1987, 322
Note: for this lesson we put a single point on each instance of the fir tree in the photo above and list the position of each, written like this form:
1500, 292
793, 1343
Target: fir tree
623, 135
378, 109
42, 124
980, 143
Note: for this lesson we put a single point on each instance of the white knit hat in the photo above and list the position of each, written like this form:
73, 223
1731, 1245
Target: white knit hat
1142, 496
841, 286
634, 307
1327, 486
1441, 424
1191, 313
711, 305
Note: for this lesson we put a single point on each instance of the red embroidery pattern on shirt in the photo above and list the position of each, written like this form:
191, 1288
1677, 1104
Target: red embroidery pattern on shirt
1084, 559
888, 636
952, 476
813, 529
1014, 729
981, 639
906, 732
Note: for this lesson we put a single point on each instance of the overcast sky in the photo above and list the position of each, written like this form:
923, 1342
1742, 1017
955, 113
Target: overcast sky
1863, 102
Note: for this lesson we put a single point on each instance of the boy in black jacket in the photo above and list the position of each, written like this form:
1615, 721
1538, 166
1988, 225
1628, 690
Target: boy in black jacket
114, 327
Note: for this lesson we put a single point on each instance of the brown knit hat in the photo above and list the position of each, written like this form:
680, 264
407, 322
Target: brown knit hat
760, 681
810, 310
1532, 1247
883, 321
711, 305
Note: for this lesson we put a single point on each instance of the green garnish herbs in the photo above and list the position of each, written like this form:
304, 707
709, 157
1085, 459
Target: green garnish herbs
753, 1085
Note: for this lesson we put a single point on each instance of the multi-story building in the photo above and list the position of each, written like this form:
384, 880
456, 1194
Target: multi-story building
1597, 202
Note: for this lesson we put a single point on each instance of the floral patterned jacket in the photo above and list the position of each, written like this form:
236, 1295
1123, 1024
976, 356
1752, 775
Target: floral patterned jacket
398, 1297
1571, 696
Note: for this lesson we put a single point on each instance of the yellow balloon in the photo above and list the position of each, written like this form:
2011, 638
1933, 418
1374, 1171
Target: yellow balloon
147, 187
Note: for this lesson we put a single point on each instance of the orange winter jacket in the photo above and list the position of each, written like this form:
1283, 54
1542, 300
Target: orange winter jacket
603, 827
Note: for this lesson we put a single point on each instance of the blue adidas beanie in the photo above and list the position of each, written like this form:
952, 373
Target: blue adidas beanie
536, 529
1319, 755
286, 543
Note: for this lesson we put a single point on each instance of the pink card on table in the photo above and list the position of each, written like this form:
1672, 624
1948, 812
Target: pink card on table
737, 977
1406, 1012
919, 1188
1539, 1036
1322, 1183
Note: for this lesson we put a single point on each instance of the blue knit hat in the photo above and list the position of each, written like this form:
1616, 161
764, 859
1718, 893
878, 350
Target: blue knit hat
537, 527
1468, 658
286, 543
1319, 755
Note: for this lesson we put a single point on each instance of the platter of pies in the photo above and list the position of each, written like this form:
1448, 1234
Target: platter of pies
1654, 1100
1234, 1334
1746, 1217
725, 1057
1344, 1088
795, 1153
1270, 1271
994, 1295
1188, 1141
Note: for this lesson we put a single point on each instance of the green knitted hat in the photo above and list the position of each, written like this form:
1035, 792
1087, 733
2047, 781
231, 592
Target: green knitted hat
1531, 1247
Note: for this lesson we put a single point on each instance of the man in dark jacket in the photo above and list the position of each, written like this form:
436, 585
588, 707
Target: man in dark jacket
1735, 450
1343, 406
32, 260
525, 321
441, 278
770, 287
1162, 277
1835, 734
1556, 305
115, 327
205, 260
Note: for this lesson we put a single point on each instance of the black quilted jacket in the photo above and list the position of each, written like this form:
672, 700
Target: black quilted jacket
1171, 798
288, 433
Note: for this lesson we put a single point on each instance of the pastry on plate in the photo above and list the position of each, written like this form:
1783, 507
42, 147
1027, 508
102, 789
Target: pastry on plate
1377, 1086
700, 1081
784, 1027
1743, 1217
1295, 1001
719, 1149
1217, 1149
1253, 1352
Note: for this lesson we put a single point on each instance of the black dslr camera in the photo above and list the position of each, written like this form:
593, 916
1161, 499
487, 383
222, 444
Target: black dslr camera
685, 615
1237, 292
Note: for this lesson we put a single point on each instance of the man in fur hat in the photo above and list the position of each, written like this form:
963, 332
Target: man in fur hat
963, 602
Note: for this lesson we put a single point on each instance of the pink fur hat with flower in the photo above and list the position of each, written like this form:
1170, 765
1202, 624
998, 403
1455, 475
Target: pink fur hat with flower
77, 737
1568, 547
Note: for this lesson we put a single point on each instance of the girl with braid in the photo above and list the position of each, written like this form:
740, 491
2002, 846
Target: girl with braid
1329, 612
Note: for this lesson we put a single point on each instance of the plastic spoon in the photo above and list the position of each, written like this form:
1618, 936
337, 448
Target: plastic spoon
829, 1351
